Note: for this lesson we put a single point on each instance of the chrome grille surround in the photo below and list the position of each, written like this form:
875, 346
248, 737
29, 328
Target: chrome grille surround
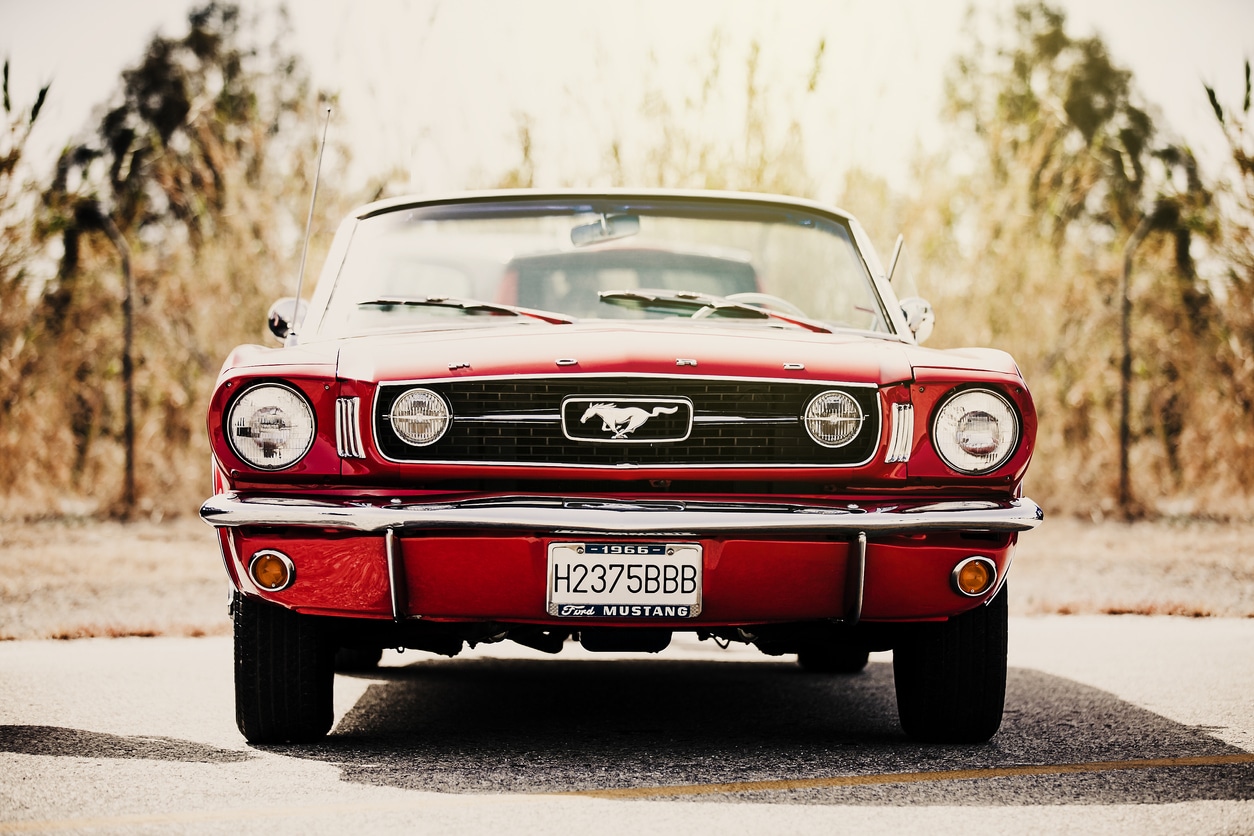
736, 422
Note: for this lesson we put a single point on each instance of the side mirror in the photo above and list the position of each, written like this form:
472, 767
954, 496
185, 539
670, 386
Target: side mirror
919, 317
285, 315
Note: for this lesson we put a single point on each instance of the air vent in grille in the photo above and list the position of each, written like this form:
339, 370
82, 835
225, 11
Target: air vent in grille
735, 422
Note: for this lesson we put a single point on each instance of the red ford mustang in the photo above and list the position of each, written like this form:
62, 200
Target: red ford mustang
607, 417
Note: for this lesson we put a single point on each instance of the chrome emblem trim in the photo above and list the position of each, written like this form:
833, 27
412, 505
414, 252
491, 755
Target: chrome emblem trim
615, 420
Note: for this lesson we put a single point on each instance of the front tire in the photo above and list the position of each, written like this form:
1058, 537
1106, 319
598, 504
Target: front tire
951, 676
283, 674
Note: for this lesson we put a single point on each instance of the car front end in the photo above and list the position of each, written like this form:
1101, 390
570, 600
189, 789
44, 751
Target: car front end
720, 455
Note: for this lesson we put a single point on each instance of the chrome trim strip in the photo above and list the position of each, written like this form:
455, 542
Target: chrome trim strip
741, 419
902, 434
348, 428
556, 418
396, 574
511, 418
623, 517
855, 579
688, 378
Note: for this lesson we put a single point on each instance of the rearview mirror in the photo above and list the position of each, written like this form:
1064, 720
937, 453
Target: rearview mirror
607, 228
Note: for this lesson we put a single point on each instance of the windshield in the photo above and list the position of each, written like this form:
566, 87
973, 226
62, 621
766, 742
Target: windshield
474, 265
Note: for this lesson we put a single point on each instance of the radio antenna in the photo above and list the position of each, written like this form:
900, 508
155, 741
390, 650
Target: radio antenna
304, 250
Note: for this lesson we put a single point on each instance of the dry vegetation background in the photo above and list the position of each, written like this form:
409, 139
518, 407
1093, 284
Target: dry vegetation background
197, 173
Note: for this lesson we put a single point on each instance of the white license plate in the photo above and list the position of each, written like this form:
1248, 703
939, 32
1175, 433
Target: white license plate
624, 580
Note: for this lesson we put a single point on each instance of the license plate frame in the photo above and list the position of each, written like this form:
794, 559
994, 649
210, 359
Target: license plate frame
636, 581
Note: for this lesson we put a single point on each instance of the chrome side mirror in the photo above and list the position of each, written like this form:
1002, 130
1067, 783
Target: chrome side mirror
919, 317
285, 315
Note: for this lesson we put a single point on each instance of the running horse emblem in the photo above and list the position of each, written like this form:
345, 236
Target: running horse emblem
623, 420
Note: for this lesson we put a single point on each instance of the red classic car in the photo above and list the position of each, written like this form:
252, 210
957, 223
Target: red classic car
605, 418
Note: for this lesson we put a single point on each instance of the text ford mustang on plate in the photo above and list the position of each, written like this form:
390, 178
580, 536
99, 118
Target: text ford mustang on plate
608, 417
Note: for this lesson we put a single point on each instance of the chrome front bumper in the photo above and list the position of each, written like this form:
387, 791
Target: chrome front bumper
612, 517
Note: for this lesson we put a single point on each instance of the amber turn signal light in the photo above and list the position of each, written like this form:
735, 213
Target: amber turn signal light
271, 570
974, 576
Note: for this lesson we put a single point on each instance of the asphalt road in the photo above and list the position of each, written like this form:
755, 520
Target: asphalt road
1126, 724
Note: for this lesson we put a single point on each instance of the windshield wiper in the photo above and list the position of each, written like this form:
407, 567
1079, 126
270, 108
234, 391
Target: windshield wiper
703, 305
468, 305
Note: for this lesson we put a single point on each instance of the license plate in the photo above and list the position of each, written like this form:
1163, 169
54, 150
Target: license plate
624, 580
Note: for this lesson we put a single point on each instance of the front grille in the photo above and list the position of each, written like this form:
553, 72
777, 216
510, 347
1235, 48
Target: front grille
734, 422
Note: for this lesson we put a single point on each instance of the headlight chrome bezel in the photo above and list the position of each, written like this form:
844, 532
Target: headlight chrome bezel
303, 420
441, 414
951, 421
854, 416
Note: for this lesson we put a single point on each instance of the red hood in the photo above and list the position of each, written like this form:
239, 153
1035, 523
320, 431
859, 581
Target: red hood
638, 348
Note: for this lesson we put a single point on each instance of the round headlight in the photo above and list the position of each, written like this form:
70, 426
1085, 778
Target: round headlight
975, 431
420, 417
833, 419
270, 426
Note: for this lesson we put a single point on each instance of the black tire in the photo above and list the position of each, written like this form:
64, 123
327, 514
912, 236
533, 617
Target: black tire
283, 674
833, 658
357, 658
951, 676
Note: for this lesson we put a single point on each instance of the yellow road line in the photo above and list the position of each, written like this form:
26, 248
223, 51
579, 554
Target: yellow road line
912, 777
430, 801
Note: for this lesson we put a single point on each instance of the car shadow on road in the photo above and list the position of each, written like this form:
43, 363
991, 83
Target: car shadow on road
523, 726
58, 741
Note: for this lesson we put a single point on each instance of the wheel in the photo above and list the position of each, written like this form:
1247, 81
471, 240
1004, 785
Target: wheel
283, 674
357, 658
951, 676
833, 658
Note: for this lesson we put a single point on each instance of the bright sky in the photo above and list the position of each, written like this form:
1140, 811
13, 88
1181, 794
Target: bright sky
436, 88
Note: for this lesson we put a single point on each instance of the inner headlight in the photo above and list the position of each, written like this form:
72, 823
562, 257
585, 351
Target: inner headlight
270, 426
833, 419
419, 417
975, 431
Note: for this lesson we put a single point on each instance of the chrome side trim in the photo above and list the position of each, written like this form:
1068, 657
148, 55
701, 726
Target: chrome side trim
621, 517
348, 428
855, 579
902, 434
